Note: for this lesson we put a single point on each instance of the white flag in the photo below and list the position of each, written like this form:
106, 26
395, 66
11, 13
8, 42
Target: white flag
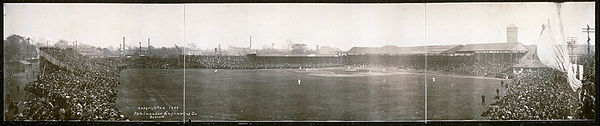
552, 51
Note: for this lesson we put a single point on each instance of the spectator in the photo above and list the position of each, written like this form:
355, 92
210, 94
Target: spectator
81, 90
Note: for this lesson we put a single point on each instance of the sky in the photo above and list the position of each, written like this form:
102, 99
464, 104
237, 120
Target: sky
338, 25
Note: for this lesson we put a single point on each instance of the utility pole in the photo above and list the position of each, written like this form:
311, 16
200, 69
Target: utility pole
588, 30
123, 49
140, 49
27, 46
148, 50
572, 44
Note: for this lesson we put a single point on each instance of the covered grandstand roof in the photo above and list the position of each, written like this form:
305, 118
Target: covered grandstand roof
493, 47
444, 48
394, 50
365, 50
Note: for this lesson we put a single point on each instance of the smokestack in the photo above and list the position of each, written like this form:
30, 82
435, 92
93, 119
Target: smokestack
123, 43
148, 51
123, 47
250, 43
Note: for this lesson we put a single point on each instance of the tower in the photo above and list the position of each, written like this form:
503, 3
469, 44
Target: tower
512, 33
148, 48
123, 43
123, 47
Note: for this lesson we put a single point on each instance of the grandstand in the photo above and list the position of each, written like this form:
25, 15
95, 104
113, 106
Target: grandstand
297, 59
528, 65
511, 52
482, 59
74, 87
71, 87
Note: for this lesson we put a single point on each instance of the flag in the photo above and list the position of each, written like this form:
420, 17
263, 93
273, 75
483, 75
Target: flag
552, 51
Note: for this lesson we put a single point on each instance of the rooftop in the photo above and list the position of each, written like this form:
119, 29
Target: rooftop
493, 47
529, 64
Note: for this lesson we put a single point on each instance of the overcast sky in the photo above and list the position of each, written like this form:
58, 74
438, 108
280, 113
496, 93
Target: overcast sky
338, 25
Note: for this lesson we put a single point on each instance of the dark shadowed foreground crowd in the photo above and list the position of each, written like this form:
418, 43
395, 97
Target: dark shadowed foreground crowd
542, 95
83, 91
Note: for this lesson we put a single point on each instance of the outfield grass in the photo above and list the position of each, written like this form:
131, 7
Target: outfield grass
264, 95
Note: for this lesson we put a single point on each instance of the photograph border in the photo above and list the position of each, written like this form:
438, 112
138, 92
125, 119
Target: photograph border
428, 122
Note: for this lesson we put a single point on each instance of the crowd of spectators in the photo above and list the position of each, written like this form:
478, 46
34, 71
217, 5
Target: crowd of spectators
212, 62
153, 63
295, 66
588, 92
81, 64
110, 61
528, 94
220, 62
456, 64
485, 68
588, 100
84, 91
37, 108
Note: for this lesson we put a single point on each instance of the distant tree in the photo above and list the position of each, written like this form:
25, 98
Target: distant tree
299, 48
191, 46
62, 44
106, 52
12, 47
40, 44
328, 50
